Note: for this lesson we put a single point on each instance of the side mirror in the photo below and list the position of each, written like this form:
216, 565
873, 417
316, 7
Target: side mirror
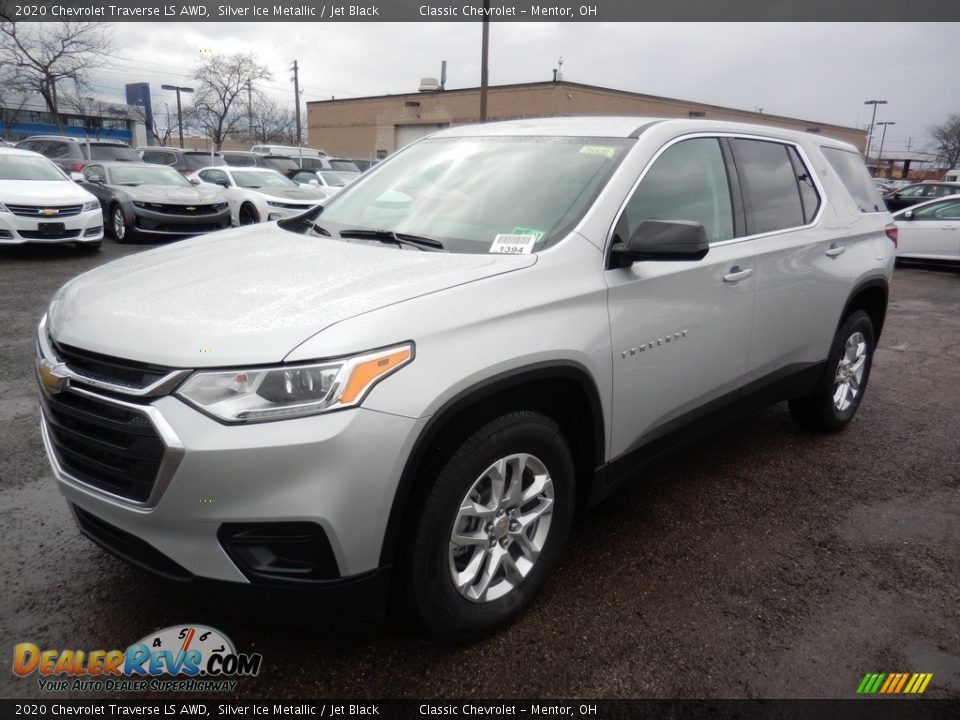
659, 240
222, 182
195, 181
314, 182
77, 177
95, 179
908, 215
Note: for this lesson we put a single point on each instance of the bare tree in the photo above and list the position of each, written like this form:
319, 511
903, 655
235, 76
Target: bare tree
89, 110
160, 135
272, 122
222, 83
13, 98
946, 140
40, 56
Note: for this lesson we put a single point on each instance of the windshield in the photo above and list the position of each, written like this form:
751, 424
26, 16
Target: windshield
338, 179
344, 165
154, 175
24, 167
467, 191
262, 178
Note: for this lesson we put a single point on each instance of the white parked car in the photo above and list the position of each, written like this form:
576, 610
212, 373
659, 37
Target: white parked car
259, 194
40, 204
930, 230
327, 181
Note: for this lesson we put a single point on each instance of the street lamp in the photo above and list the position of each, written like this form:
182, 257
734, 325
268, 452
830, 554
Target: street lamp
883, 136
179, 109
873, 119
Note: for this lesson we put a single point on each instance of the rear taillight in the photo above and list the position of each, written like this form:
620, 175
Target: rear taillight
892, 233
77, 167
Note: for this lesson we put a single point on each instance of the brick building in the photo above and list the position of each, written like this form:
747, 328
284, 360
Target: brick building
369, 127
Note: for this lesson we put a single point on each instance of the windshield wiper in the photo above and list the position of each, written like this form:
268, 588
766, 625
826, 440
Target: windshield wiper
389, 236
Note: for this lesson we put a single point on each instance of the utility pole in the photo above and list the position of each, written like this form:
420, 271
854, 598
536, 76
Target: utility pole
873, 119
883, 136
179, 108
484, 53
250, 110
296, 97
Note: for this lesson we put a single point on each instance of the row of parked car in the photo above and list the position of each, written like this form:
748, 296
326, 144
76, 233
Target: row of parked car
154, 191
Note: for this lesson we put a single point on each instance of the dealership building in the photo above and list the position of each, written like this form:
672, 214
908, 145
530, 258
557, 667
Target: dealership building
374, 127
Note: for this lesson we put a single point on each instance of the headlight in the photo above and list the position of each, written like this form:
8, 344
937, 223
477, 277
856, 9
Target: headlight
271, 203
137, 203
92, 205
283, 392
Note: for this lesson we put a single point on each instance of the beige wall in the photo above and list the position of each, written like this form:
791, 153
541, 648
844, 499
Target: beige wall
360, 127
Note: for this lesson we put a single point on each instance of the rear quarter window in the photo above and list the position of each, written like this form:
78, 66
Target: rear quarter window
855, 178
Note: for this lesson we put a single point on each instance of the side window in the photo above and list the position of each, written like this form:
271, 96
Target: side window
855, 178
687, 182
771, 193
304, 177
57, 150
95, 171
947, 210
809, 196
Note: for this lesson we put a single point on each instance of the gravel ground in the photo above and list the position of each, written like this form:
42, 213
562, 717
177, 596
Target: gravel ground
765, 562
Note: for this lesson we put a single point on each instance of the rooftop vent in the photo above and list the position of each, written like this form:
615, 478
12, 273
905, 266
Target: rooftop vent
429, 84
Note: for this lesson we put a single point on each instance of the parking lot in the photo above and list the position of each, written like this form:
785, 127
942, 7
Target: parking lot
762, 562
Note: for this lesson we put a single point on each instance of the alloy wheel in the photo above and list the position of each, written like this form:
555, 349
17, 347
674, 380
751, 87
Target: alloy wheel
849, 376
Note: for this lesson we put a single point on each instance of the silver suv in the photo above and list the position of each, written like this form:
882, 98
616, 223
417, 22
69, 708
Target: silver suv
409, 391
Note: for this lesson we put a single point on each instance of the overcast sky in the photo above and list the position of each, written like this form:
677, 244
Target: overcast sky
814, 71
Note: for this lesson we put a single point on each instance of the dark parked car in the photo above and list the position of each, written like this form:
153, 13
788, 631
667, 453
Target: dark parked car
184, 162
140, 198
921, 192
74, 154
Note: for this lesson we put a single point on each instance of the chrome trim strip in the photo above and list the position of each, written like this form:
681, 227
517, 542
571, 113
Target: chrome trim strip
172, 455
163, 386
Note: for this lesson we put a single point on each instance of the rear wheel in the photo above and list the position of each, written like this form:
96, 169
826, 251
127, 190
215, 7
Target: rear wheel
493, 527
838, 394
248, 214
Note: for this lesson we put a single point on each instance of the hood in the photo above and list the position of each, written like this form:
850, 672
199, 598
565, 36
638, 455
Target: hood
170, 194
43, 192
294, 193
249, 295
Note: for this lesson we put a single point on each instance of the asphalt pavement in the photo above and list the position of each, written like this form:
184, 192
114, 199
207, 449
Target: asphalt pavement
764, 561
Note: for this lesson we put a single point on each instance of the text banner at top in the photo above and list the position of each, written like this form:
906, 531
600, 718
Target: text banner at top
473, 11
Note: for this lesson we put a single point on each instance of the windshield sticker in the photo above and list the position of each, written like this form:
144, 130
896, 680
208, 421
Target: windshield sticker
513, 244
598, 150
538, 234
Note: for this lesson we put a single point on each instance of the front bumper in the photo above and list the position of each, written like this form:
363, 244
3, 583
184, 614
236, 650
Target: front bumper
212, 481
83, 227
150, 222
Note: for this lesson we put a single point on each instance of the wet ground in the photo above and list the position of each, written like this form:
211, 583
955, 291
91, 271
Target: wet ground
765, 562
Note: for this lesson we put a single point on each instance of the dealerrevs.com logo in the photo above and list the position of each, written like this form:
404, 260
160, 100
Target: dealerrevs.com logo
181, 658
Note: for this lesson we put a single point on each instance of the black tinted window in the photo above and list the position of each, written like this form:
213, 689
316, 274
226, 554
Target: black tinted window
687, 182
281, 164
113, 152
239, 160
195, 161
771, 196
853, 173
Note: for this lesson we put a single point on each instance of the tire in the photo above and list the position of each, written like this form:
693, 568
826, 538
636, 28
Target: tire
89, 247
535, 527
119, 227
840, 390
248, 215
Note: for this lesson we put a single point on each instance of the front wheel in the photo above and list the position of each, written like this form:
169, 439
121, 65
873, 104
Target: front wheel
493, 527
838, 394
248, 214
118, 225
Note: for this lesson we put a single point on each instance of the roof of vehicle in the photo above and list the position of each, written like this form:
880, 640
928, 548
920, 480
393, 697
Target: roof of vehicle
93, 141
18, 151
614, 126
127, 164
192, 151
235, 169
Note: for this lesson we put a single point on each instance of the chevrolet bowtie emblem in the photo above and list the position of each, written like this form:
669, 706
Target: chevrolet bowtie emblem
49, 211
191, 208
51, 376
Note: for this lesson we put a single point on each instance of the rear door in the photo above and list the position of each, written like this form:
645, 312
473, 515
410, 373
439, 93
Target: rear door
680, 330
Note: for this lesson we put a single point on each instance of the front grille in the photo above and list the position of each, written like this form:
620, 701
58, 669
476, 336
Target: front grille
36, 211
37, 235
129, 373
111, 447
185, 210
181, 228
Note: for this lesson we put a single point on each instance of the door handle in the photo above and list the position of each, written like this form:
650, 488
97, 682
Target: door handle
737, 274
836, 250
